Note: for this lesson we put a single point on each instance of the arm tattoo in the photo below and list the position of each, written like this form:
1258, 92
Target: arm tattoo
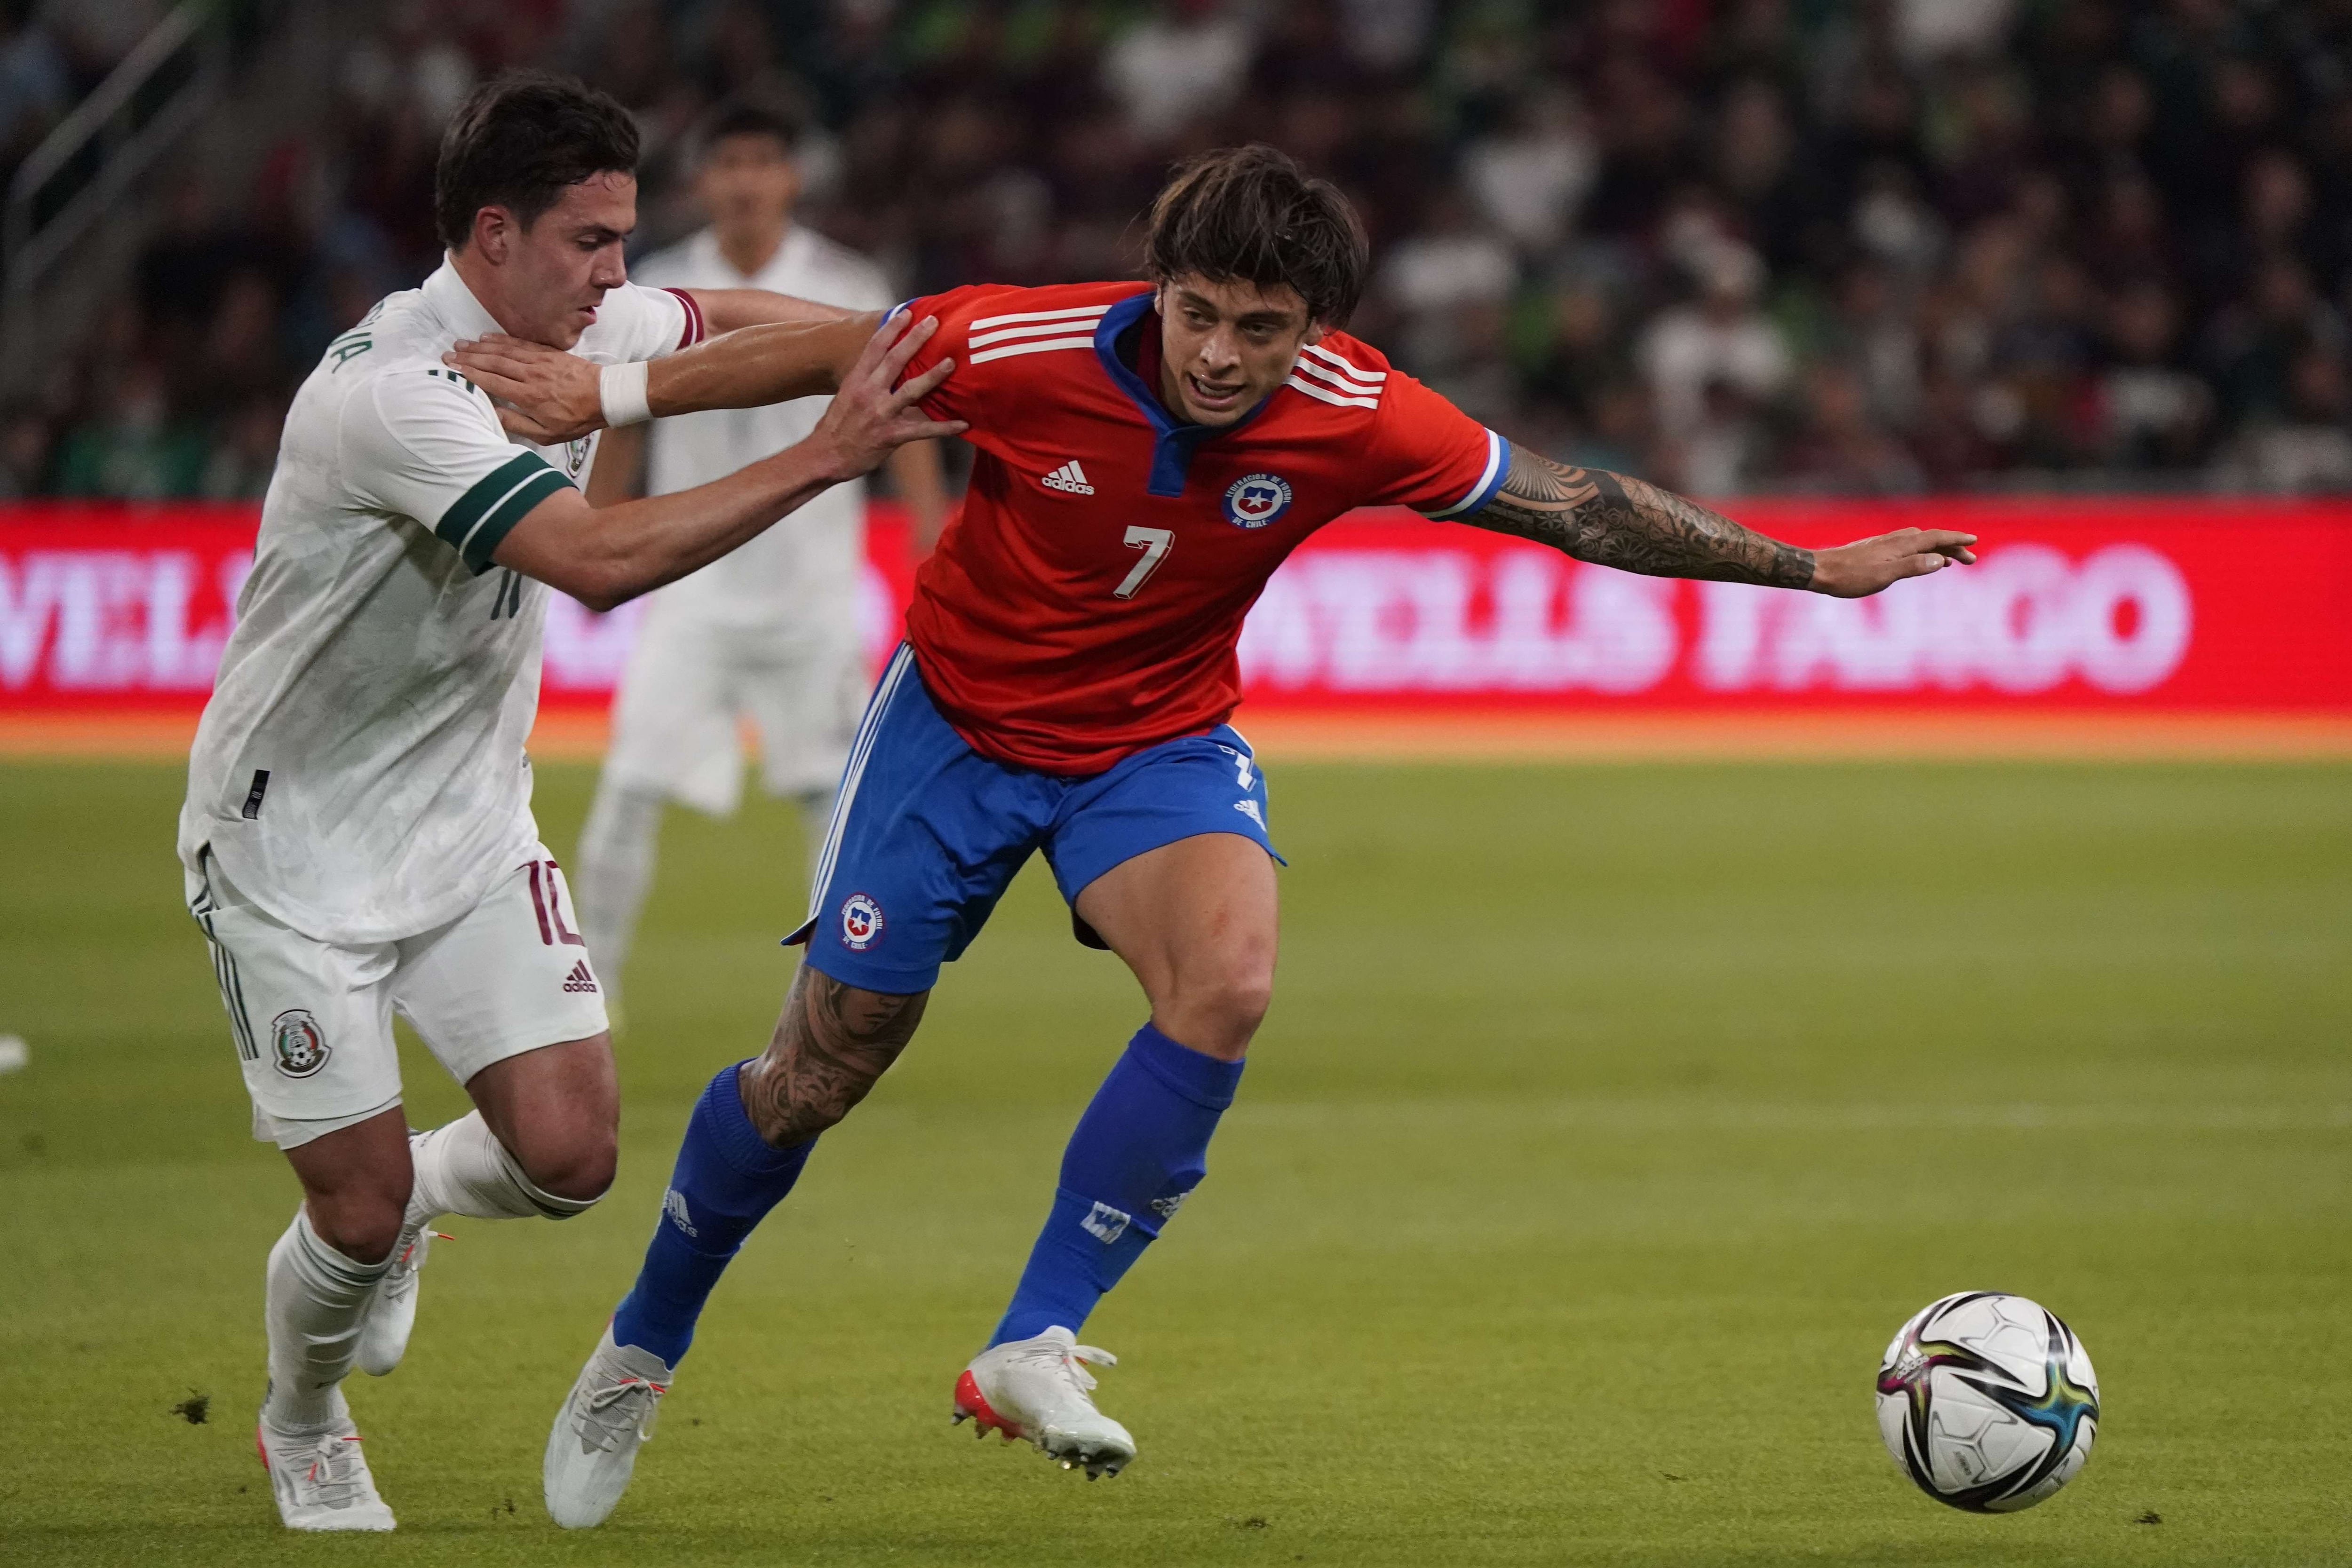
832, 1043
1613, 519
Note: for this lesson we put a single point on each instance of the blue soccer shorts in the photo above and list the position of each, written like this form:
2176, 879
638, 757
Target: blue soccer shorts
927, 834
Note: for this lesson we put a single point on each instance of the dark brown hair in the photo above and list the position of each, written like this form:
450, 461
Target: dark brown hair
1252, 215
518, 141
769, 117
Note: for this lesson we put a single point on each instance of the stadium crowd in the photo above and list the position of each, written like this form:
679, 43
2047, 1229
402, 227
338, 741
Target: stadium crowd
1857, 246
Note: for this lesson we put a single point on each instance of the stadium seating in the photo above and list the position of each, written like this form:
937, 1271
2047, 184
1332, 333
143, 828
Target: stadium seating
1740, 244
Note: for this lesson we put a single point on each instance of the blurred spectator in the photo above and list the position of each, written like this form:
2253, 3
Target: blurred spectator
1720, 342
2155, 415
1188, 61
242, 458
1720, 449
132, 447
1868, 245
1388, 34
1617, 437
24, 442
1950, 437
1931, 31
1876, 336
1450, 263
1530, 177
2310, 448
1842, 447
2256, 339
1445, 288
2128, 239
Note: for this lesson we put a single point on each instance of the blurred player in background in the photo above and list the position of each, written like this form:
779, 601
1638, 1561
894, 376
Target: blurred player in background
769, 632
358, 839
1148, 454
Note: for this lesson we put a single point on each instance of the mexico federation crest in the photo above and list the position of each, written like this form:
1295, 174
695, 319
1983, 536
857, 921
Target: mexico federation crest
299, 1044
575, 455
861, 922
1254, 501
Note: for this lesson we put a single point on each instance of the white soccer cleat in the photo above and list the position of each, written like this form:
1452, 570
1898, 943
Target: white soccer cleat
594, 1446
1036, 1389
391, 1311
319, 1479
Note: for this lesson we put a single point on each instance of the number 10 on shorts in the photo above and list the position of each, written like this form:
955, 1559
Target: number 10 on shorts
547, 902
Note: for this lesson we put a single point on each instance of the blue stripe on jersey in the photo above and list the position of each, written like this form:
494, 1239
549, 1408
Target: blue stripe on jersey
1498, 469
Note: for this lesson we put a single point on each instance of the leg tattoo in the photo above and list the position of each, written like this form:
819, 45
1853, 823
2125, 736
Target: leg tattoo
832, 1043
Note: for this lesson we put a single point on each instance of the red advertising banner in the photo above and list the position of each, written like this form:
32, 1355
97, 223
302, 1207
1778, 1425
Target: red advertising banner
2114, 605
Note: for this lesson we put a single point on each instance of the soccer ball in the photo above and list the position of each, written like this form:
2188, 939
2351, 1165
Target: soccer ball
1987, 1401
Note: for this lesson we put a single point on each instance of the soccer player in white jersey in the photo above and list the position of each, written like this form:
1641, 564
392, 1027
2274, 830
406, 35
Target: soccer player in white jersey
358, 837
769, 632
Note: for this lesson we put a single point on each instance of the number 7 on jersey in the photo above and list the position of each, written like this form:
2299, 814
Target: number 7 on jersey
1155, 544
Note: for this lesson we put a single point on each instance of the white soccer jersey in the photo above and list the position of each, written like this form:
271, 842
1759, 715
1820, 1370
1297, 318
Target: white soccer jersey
799, 580
359, 772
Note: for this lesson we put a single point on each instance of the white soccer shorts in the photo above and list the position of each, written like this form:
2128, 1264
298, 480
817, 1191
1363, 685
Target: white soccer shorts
689, 684
312, 1019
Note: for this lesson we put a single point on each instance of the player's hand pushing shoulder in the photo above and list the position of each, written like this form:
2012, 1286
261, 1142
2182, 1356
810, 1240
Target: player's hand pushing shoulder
547, 395
605, 556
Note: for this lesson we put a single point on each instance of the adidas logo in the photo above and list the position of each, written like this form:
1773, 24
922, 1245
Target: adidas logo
1069, 477
674, 1206
1104, 1223
580, 979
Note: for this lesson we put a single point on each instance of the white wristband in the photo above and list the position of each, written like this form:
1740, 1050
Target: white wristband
622, 390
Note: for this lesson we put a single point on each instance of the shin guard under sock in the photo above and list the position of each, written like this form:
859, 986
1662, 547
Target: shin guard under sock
312, 1306
726, 1180
1139, 1151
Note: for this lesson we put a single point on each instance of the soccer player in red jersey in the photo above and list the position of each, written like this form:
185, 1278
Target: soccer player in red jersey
1148, 453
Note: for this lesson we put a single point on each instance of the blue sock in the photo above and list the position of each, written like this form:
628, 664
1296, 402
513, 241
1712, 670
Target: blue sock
1140, 1148
726, 1180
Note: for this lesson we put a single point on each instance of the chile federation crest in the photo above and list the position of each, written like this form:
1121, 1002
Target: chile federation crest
1254, 501
861, 922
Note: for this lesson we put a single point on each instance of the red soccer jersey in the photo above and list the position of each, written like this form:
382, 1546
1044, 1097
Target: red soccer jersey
1088, 601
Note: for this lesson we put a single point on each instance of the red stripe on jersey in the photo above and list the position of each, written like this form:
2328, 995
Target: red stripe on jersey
695, 329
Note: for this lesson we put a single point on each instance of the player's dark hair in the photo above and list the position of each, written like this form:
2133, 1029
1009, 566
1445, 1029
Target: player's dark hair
518, 141
752, 117
1252, 215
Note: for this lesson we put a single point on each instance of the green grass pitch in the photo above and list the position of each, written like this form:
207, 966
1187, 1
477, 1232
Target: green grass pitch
1608, 1122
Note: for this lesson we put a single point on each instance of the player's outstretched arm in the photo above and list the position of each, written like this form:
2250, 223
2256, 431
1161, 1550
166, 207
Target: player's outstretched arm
547, 395
1614, 519
605, 556
727, 309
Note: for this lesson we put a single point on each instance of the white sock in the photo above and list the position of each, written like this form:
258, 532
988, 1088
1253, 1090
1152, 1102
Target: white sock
462, 1168
314, 1303
613, 871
